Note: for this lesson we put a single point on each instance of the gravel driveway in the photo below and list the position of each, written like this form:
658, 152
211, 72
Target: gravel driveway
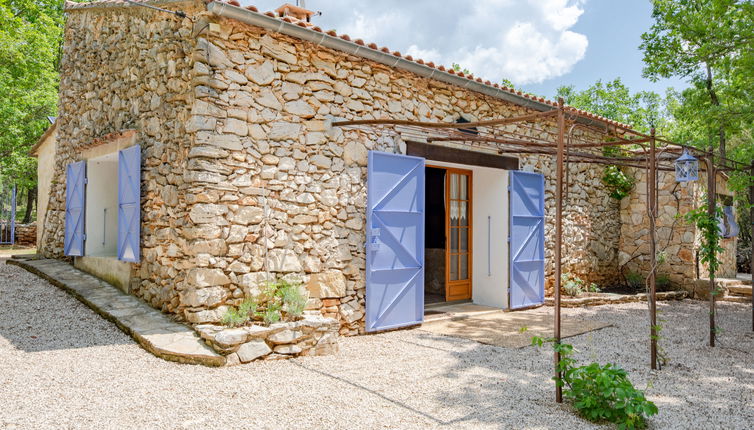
62, 366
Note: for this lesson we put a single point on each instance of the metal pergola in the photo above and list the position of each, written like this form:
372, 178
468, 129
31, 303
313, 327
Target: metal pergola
568, 134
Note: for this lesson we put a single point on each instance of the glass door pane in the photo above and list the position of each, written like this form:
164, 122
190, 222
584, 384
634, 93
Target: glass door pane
459, 226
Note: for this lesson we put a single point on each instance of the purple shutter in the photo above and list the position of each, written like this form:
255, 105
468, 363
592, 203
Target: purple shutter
129, 203
730, 217
527, 239
75, 193
395, 241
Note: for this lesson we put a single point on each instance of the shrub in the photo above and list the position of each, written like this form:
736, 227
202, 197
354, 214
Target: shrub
280, 300
573, 285
662, 282
293, 301
272, 314
234, 318
635, 280
600, 392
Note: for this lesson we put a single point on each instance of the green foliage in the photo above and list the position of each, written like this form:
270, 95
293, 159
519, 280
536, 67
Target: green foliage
573, 285
707, 224
662, 281
619, 184
248, 307
30, 39
234, 317
272, 314
600, 392
635, 280
280, 300
293, 301
614, 100
711, 44
457, 67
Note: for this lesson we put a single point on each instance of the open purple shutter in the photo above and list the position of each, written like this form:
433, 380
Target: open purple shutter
129, 203
395, 241
75, 183
527, 239
730, 217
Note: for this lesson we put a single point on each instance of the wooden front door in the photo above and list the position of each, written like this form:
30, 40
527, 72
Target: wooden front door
458, 233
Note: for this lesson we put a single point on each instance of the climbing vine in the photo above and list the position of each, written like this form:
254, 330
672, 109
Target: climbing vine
618, 183
708, 225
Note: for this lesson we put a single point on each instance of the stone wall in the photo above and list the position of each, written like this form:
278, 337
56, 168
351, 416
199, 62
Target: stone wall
130, 68
591, 223
676, 238
242, 182
26, 234
268, 179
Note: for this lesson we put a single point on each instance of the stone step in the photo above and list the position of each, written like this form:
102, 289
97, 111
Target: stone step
740, 290
149, 327
735, 299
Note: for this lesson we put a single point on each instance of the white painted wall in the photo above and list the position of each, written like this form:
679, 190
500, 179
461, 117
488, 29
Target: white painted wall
102, 206
489, 264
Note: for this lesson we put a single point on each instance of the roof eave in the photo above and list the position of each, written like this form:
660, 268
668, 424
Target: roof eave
45, 135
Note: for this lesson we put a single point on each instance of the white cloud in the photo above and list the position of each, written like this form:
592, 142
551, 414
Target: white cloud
524, 41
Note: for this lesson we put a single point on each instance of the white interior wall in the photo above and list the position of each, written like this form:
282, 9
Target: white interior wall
102, 206
489, 281
490, 261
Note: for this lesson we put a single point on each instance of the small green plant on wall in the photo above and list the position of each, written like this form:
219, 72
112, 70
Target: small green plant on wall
600, 392
281, 300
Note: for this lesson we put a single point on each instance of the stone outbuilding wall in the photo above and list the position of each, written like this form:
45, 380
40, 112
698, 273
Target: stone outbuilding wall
122, 69
676, 238
242, 181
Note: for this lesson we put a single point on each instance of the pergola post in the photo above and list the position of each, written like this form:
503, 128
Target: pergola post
711, 213
558, 239
652, 213
751, 235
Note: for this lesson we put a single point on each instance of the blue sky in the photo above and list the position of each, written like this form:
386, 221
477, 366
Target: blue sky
613, 28
538, 44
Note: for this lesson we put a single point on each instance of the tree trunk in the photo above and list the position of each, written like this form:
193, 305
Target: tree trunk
716, 102
31, 194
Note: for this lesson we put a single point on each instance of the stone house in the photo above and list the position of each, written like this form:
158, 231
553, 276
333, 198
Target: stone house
196, 159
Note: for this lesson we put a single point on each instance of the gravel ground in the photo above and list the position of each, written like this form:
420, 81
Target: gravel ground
62, 366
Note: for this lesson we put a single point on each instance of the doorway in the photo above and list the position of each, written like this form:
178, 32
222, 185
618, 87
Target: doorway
448, 256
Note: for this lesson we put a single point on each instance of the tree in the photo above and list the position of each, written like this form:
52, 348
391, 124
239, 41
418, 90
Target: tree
709, 42
643, 110
30, 41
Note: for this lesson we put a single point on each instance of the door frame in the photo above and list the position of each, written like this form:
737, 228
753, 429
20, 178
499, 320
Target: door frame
469, 281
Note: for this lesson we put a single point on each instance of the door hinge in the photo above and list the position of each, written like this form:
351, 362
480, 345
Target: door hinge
83, 236
86, 180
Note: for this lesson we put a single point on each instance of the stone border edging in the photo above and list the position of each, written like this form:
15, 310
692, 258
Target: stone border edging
574, 302
206, 355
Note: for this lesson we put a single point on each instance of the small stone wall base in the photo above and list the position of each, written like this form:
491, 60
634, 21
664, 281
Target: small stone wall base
311, 335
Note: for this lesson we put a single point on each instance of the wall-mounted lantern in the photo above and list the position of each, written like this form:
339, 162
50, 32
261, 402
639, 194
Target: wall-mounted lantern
686, 167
